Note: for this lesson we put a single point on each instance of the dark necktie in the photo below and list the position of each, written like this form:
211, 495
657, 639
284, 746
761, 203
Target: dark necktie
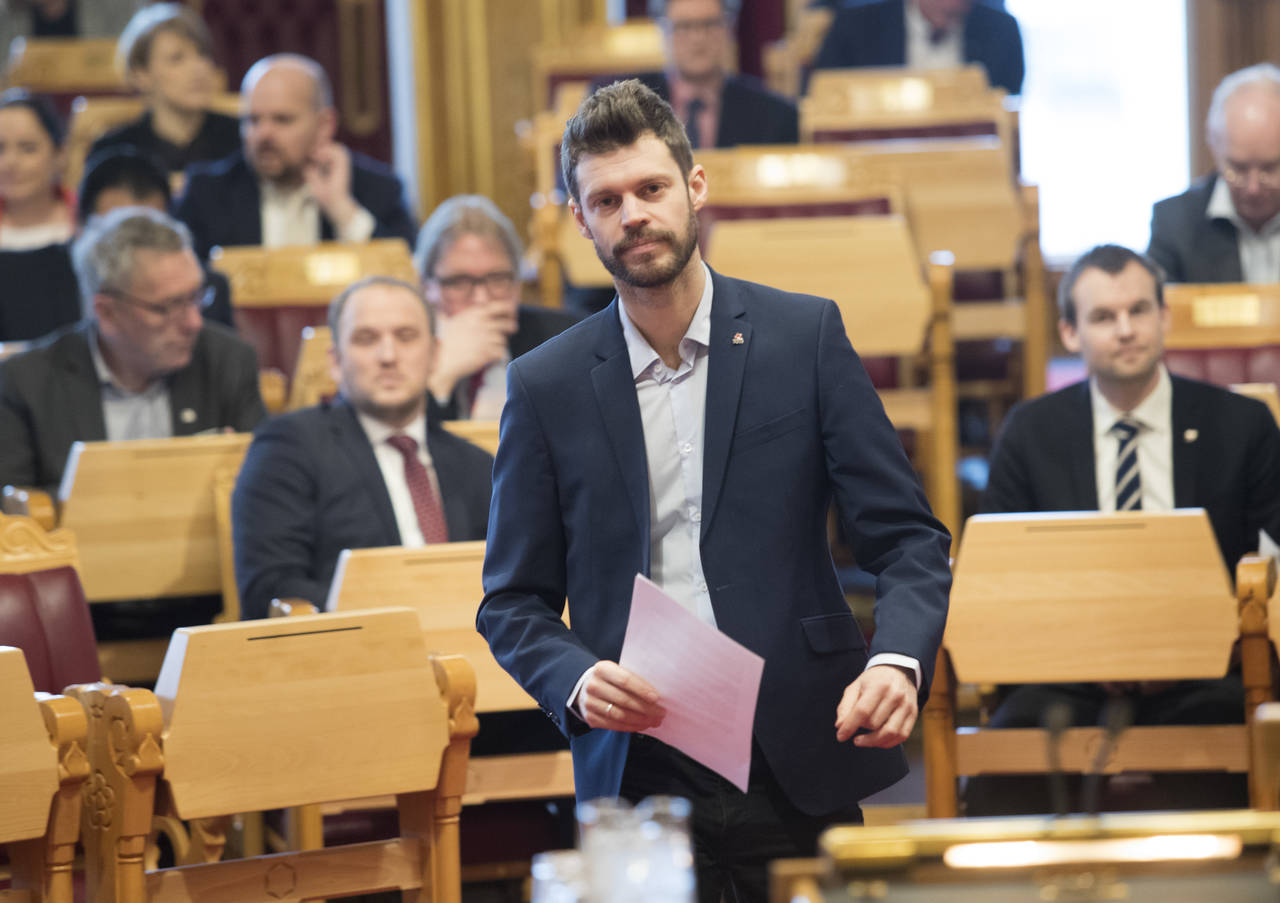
691, 127
1128, 480
425, 504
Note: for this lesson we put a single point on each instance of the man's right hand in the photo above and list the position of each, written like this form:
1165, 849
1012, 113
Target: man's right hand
470, 340
618, 700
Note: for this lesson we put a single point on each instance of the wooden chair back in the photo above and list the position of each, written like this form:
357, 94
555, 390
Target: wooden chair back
42, 769
869, 266
224, 483
1090, 597
1224, 333
596, 52
143, 514
265, 714
786, 61
279, 291
65, 68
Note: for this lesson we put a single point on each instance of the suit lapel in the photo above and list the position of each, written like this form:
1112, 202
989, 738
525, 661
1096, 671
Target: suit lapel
246, 208
84, 394
1081, 462
350, 437
615, 390
726, 362
1186, 448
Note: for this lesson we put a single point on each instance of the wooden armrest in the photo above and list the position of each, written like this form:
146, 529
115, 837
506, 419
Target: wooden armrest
284, 608
33, 503
272, 387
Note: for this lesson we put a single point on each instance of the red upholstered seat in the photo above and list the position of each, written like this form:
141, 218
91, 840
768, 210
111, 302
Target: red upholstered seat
44, 613
1226, 366
276, 332
949, 130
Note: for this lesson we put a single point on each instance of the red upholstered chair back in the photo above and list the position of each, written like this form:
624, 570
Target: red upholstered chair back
1224, 333
44, 613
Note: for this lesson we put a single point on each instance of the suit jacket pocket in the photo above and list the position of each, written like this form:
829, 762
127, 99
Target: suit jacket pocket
833, 633
763, 432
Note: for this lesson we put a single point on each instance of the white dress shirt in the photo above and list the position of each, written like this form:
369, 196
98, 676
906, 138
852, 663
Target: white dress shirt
673, 414
1155, 446
391, 463
1259, 250
291, 216
131, 415
923, 53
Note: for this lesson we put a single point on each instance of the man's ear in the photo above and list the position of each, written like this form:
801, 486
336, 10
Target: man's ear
1070, 336
697, 186
576, 210
328, 125
335, 364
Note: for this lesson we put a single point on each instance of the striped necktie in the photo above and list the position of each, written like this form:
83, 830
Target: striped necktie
1128, 480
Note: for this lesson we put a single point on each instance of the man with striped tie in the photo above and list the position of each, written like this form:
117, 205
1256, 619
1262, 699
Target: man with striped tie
1133, 437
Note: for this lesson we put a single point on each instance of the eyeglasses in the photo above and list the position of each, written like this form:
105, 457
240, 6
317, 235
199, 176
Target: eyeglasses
688, 27
498, 284
169, 308
1237, 174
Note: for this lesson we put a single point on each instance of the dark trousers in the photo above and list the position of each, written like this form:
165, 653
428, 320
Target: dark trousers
735, 835
1184, 702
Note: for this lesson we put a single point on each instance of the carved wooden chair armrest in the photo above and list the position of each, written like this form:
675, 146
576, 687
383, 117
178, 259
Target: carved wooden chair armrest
33, 503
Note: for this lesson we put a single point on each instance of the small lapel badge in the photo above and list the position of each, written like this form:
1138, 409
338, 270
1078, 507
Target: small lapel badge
186, 415
1190, 435
738, 339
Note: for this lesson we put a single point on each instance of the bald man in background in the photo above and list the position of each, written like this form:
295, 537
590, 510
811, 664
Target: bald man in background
1226, 226
292, 183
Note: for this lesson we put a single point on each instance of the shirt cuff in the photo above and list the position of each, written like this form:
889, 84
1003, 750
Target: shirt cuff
576, 701
893, 658
360, 227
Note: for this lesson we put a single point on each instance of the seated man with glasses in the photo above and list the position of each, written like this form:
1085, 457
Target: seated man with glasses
468, 256
143, 363
1226, 226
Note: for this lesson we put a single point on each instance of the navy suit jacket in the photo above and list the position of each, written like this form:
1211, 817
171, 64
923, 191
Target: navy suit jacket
310, 487
791, 422
1188, 245
1226, 459
876, 35
749, 112
221, 203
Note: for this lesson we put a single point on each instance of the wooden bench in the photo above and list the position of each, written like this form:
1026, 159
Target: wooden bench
268, 714
1224, 333
1094, 597
65, 68
595, 52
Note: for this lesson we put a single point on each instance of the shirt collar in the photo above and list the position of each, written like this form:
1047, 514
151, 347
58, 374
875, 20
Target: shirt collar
272, 193
105, 376
918, 26
642, 355
379, 432
1222, 207
682, 93
1154, 413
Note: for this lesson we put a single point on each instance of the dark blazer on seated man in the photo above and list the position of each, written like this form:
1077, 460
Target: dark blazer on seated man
1226, 459
749, 112
1191, 246
310, 487
221, 203
875, 34
50, 397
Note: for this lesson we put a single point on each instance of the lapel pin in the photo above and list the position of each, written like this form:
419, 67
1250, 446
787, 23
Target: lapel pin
187, 415
1191, 435
738, 339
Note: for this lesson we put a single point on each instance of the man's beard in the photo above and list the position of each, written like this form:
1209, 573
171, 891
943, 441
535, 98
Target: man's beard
388, 413
655, 272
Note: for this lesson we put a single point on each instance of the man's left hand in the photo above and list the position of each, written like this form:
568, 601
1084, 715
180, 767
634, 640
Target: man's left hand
882, 701
328, 175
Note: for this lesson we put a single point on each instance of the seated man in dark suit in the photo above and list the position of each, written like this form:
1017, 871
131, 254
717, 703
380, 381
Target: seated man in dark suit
142, 364
369, 469
292, 183
1226, 226
718, 109
1134, 438
926, 34
468, 255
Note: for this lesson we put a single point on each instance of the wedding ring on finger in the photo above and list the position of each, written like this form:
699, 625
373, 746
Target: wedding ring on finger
608, 712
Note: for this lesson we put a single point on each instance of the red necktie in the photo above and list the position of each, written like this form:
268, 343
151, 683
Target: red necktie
425, 503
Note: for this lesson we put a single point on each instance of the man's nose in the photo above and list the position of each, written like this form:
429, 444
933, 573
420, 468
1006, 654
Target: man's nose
1124, 324
633, 212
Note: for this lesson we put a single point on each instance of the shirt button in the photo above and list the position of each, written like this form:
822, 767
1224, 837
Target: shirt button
686, 448
695, 515
702, 586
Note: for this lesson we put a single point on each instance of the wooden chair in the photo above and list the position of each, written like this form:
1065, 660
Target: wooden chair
1225, 333
595, 52
442, 583
42, 768
65, 68
224, 483
278, 291
1094, 597
786, 60
869, 265
267, 714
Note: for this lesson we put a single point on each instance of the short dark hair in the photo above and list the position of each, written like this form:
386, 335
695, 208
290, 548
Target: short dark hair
339, 302
40, 108
133, 50
615, 116
1111, 259
124, 166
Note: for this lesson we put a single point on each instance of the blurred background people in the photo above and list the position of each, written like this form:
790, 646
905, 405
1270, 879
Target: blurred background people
35, 209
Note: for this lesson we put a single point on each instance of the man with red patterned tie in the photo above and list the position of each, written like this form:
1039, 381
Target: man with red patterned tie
367, 469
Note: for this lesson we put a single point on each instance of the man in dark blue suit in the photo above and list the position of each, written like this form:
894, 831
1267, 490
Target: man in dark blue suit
292, 183
696, 431
926, 34
342, 475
